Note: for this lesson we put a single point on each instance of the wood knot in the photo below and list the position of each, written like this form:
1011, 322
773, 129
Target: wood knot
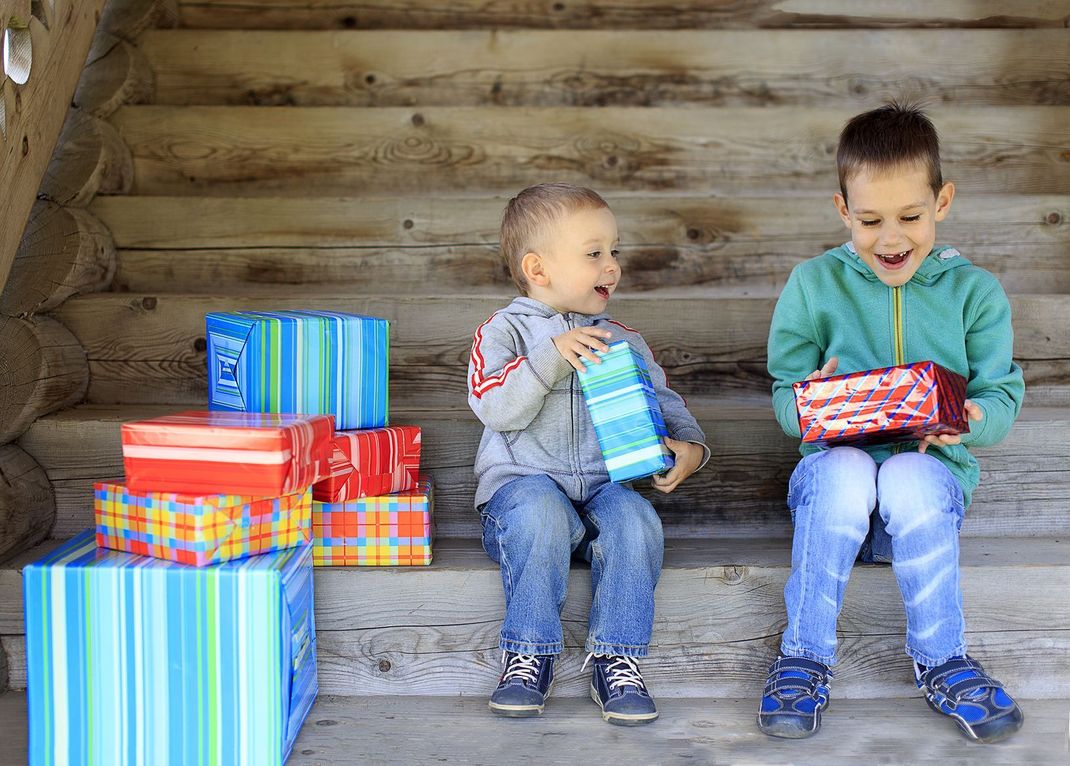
349, 22
384, 666
418, 120
326, 722
558, 7
734, 574
693, 233
200, 345
407, 223
369, 78
1054, 218
25, 146
148, 303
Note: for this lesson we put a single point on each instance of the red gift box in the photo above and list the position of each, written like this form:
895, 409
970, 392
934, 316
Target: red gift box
892, 404
227, 453
373, 462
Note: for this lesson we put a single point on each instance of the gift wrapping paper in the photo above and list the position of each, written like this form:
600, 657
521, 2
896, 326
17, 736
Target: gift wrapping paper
199, 530
626, 415
392, 530
379, 461
892, 404
321, 362
227, 453
136, 660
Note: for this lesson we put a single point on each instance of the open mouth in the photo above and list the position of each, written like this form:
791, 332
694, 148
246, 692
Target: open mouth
602, 290
894, 260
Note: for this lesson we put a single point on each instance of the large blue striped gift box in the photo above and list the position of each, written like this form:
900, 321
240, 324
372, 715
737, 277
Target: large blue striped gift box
136, 660
626, 415
307, 362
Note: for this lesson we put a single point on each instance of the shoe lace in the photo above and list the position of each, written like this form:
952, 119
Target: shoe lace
524, 667
620, 671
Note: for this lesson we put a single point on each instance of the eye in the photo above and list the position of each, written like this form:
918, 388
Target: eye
912, 218
615, 253
869, 223
595, 254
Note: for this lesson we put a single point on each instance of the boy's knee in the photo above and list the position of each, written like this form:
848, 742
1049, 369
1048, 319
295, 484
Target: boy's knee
845, 487
915, 488
637, 532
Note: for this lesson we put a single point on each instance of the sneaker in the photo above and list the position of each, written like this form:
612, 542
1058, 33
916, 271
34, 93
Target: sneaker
961, 689
524, 686
796, 692
618, 688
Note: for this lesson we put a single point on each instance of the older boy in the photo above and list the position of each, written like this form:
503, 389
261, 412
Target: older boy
543, 490
889, 296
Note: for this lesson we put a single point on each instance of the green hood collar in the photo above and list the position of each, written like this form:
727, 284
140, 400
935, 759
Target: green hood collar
942, 258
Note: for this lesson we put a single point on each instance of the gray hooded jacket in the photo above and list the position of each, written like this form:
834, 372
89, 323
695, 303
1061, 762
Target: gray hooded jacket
530, 401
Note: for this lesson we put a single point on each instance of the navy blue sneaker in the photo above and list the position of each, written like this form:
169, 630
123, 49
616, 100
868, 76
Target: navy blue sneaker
617, 687
796, 692
524, 686
961, 689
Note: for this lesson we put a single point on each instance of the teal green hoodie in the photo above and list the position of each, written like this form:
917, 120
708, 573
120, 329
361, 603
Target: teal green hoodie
950, 311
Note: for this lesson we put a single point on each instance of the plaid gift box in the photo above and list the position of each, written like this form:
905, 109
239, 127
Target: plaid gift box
323, 362
626, 415
227, 453
893, 404
199, 530
392, 530
379, 461
134, 660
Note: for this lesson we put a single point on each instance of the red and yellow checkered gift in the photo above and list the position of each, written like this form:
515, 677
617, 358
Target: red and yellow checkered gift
199, 530
389, 530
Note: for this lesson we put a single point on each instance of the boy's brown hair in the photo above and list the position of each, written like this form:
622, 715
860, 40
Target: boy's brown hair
530, 212
888, 137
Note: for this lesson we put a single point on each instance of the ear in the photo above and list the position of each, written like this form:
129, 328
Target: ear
943, 200
841, 208
534, 271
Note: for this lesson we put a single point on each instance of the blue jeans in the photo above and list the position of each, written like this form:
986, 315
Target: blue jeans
832, 495
532, 529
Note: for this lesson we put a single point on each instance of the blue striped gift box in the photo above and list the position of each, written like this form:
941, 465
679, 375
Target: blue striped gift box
136, 660
306, 362
626, 415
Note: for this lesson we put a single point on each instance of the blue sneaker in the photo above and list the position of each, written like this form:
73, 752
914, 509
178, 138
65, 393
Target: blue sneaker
617, 687
524, 686
796, 692
961, 689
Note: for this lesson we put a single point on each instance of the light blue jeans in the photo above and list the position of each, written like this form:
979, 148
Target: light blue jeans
532, 529
832, 495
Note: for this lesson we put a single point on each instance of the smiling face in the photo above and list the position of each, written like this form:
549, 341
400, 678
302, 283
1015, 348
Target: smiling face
575, 267
892, 216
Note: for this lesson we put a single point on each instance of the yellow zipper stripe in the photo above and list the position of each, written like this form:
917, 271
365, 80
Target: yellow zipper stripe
897, 313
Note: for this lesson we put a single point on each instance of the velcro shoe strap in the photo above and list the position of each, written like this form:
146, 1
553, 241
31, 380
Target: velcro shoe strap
956, 690
800, 664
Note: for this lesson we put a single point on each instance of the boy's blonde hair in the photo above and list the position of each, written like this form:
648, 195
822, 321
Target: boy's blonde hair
888, 137
530, 213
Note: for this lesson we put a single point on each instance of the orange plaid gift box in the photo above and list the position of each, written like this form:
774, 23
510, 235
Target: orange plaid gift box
199, 530
389, 530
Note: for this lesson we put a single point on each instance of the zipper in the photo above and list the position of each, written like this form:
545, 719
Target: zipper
897, 338
573, 446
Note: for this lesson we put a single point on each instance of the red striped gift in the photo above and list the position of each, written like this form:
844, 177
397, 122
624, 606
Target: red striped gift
227, 453
892, 404
372, 462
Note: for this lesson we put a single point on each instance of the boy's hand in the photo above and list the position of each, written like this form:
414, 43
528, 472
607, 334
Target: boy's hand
824, 372
970, 410
687, 456
578, 342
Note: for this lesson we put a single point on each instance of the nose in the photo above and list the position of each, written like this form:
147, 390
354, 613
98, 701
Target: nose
890, 234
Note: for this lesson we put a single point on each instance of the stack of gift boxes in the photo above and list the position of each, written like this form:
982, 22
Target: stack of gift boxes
183, 630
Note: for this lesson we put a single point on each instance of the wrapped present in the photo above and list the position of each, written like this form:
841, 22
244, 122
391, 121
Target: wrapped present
392, 530
199, 530
227, 453
892, 404
136, 660
314, 362
379, 461
626, 415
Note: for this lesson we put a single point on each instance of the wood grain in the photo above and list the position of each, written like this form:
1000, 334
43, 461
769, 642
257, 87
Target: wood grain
90, 159
150, 348
606, 68
620, 14
27, 505
117, 73
324, 151
715, 246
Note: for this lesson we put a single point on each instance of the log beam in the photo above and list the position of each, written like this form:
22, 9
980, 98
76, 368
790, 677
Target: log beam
42, 369
117, 73
90, 159
27, 505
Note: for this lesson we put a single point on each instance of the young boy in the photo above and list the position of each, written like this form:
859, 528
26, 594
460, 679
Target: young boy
543, 491
889, 297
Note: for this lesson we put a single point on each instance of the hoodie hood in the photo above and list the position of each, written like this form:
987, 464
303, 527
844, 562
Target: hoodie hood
942, 258
529, 307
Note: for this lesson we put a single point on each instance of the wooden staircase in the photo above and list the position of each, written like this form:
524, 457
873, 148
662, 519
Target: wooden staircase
357, 156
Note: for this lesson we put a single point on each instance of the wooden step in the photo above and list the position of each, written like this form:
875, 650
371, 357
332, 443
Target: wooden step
716, 246
303, 151
718, 620
402, 731
618, 14
742, 492
841, 68
150, 349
